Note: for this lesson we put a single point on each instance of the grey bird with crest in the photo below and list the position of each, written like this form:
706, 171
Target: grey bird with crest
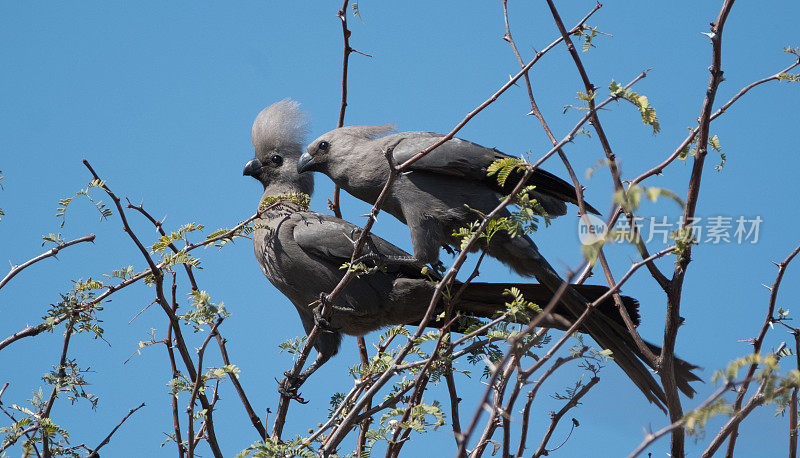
439, 194
301, 252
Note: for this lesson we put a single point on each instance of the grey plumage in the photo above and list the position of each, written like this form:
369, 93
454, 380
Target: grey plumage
433, 199
301, 252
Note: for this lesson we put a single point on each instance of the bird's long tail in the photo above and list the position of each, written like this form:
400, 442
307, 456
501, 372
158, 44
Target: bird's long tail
522, 255
488, 299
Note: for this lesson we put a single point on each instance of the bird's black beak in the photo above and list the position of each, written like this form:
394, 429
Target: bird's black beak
306, 163
252, 168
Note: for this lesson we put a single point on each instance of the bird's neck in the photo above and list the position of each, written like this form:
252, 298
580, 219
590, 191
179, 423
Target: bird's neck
364, 181
281, 200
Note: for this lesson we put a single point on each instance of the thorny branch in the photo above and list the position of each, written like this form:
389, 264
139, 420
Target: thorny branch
650, 438
759, 340
158, 275
47, 254
574, 401
756, 400
673, 319
532, 395
221, 341
105, 441
595, 121
547, 356
198, 381
31, 331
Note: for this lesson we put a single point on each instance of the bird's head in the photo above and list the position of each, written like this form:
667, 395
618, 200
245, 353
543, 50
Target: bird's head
315, 158
336, 148
278, 135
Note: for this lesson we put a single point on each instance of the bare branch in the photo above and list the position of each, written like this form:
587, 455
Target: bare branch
532, 395
557, 416
93, 453
47, 254
650, 438
158, 276
197, 382
221, 341
759, 340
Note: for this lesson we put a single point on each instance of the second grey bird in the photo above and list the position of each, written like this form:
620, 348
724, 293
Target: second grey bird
301, 252
437, 196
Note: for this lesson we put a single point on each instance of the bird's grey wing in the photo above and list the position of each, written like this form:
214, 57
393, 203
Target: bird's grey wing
333, 239
464, 159
455, 157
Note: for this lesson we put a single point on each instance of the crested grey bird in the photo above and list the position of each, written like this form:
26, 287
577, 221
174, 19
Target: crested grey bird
438, 195
301, 252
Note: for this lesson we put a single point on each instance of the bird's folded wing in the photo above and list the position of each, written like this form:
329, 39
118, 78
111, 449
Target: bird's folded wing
455, 157
464, 159
333, 239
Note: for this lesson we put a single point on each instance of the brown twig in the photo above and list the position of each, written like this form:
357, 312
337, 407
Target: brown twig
93, 453
47, 254
595, 121
422, 378
358, 387
532, 395
657, 170
361, 444
547, 356
557, 416
158, 276
511, 82
31, 331
26, 433
176, 423
650, 438
198, 381
496, 411
295, 373
221, 341
57, 385
793, 401
251, 414
454, 401
759, 340
756, 400
346, 50
673, 319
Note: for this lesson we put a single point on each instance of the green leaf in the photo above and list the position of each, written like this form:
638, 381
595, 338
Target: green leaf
504, 167
631, 198
298, 198
639, 101
166, 240
54, 238
591, 251
790, 77
204, 311
105, 212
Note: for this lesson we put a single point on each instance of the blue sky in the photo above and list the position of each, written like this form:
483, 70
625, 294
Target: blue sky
160, 99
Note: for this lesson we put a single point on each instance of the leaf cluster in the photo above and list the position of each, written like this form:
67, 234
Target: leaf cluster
649, 116
203, 310
105, 212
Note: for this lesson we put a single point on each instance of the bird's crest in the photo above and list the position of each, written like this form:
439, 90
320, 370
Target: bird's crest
281, 124
368, 132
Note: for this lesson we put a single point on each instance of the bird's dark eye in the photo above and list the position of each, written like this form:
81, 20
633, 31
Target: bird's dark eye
323, 146
277, 160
